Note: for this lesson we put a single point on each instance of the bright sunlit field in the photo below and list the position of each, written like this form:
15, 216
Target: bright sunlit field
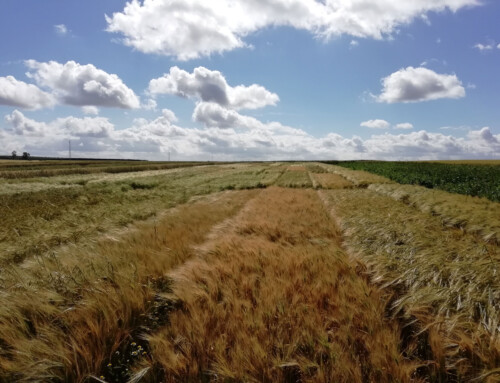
243, 272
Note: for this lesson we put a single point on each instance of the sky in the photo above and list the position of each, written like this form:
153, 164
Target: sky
251, 79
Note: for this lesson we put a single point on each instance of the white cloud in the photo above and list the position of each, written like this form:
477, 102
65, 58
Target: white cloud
152, 139
404, 125
84, 127
24, 126
484, 47
485, 136
419, 84
60, 128
150, 104
354, 43
91, 110
188, 29
82, 85
376, 124
213, 115
61, 29
22, 95
498, 46
211, 86
169, 115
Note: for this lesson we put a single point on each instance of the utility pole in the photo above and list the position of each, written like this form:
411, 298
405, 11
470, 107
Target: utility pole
69, 142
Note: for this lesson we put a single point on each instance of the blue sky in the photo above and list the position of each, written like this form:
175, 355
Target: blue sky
258, 79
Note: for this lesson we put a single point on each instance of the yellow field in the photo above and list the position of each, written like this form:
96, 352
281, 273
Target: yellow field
244, 273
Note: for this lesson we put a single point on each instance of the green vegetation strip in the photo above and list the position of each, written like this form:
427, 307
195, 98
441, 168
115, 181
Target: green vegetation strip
473, 180
33, 223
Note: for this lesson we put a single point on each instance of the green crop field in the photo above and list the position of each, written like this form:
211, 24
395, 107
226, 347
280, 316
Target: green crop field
246, 272
472, 178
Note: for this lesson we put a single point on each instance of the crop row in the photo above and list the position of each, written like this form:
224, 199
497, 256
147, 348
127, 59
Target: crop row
473, 180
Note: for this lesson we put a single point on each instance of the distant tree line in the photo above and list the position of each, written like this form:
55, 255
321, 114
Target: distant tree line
25, 156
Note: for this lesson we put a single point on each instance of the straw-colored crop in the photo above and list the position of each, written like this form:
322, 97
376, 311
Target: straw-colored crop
445, 279
330, 181
294, 177
475, 215
359, 178
63, 317
274, 298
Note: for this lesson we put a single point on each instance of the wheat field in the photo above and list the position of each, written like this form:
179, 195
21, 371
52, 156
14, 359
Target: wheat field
245, 272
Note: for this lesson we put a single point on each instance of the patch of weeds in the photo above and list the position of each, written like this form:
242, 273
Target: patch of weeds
142, 216
142, 186
227, 187
118, 368
259, 185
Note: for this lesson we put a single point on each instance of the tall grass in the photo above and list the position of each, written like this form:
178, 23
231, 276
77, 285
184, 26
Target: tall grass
359, 178
446, 280
63, 317
330, 181
116, 278
35, 222
273, 298
472, 214
53, 169
295, 176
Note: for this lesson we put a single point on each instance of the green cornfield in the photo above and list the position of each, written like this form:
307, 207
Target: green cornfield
468, 179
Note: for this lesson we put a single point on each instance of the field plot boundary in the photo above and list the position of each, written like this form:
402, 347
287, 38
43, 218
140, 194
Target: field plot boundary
115, 279
249, 274
445, 283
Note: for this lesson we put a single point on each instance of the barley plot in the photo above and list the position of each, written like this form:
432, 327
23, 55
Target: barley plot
243, 272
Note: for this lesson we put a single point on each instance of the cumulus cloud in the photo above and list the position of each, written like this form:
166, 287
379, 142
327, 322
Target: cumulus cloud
99, 127
82, 85
484, 47
485, 136
22, 95
61, 127
92, 110
404, 125
211, 86
213, 115
419, 84
61, 29
376, 124
150, 104
169, 116
152, 139
188, 29
24, 126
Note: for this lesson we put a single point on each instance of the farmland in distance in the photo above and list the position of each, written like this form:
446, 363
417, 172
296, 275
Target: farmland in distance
475, 178
248, 272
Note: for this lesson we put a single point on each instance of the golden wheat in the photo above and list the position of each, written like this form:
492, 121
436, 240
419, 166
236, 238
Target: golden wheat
274, 298
444, 279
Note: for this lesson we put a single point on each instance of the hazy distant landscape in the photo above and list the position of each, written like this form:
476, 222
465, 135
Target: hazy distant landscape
290, 272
